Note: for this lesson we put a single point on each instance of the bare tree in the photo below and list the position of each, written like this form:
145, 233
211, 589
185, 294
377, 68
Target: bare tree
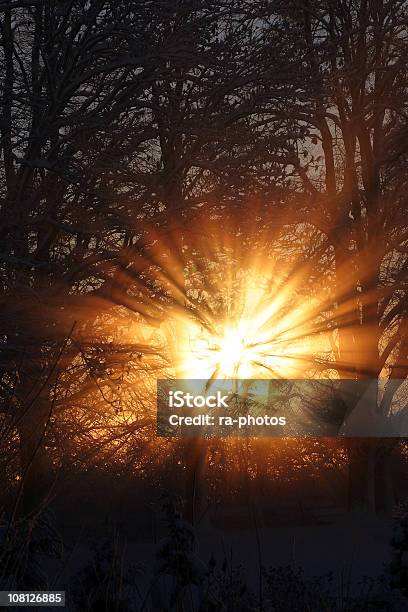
348, 171
61, 88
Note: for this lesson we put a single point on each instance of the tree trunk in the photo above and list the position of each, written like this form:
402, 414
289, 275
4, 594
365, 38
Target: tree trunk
384, 492
195, 455
361, 475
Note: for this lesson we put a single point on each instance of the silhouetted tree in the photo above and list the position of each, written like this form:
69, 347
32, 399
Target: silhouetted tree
348, 171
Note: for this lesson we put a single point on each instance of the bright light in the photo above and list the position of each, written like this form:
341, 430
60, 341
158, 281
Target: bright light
227, 355
265, 339
233, 353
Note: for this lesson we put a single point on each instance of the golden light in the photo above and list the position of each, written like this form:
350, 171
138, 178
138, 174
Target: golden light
263, 337
234, 353
227, 355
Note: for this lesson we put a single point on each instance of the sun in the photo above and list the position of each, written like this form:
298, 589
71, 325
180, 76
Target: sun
243, 349
233, 353
227, 354
262, 333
